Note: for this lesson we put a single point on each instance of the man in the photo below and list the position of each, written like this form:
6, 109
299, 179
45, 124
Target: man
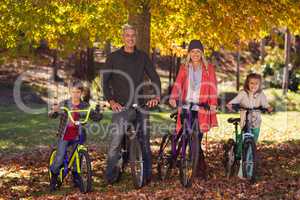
122, 81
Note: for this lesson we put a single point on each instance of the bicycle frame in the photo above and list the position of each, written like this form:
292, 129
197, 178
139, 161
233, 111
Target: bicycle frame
68, 163
186, 130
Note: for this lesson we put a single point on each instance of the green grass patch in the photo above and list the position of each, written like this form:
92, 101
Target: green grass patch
21, 131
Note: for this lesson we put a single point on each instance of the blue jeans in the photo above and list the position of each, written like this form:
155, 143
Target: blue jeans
120, 121
59, 157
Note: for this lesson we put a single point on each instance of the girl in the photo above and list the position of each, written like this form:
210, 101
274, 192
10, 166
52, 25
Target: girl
196, 83
251, 96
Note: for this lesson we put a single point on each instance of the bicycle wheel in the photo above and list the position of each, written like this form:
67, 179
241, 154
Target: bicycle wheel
136, 163
85, 172
164, 160
189, 159
229, 158
51, 160
249, 160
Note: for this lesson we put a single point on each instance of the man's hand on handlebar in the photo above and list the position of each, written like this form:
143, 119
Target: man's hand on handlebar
153, 102
116, 107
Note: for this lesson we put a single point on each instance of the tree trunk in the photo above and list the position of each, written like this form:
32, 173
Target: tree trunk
90, 64
140, 18
55, 66
238, 71
287, 50
170, 73
107, 48
262, 50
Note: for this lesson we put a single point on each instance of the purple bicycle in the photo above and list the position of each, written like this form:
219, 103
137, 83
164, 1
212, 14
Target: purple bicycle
181, 149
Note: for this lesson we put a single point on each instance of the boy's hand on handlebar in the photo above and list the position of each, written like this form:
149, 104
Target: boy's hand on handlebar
116, 107
153, 102
55, 108
172, 102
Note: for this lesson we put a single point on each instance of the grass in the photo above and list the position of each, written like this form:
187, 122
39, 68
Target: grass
21, 131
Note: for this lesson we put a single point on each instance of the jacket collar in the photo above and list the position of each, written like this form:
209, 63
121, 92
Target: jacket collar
126, 53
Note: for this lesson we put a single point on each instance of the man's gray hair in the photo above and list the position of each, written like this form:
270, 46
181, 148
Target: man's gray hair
128, 27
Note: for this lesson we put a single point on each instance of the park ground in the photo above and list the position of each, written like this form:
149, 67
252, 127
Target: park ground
27, 139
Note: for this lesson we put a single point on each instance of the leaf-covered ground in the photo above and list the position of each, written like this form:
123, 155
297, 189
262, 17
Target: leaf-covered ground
25, 144
25, 176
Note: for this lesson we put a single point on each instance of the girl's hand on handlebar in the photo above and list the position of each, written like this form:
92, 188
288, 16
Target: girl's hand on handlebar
270, 109
229, 107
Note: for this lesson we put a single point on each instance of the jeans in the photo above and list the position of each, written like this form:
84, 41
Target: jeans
59, 157
119, 126
239, 140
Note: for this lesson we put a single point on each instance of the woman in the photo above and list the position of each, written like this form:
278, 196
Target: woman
196, 82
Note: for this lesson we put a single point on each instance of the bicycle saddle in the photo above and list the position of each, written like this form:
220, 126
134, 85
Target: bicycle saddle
233, 120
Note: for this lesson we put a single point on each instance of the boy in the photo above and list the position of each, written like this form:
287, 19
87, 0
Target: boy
69, 131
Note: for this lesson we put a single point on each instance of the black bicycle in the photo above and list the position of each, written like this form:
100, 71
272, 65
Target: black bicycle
181, 149
248, 155
131, 150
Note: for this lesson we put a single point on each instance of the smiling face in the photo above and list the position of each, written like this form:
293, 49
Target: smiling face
196, 55
129, 38
75, 94
254, 85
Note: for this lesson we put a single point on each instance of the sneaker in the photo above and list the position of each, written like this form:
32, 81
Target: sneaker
53, 182
76, 179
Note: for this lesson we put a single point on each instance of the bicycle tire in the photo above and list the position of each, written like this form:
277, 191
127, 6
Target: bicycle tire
189, 158
249, 164
229, 159
136, 163
50, 162
85, 172
165, 160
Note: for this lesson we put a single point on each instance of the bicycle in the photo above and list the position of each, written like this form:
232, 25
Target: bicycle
131, 151
79, 154
180, 149
248, 155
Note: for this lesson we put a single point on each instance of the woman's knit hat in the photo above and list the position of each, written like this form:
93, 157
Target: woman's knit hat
195, 44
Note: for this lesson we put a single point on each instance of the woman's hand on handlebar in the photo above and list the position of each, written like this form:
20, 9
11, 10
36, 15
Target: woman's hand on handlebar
213, 108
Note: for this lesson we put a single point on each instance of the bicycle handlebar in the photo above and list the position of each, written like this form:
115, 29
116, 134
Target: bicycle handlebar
87, 111
206, 106
238, 107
